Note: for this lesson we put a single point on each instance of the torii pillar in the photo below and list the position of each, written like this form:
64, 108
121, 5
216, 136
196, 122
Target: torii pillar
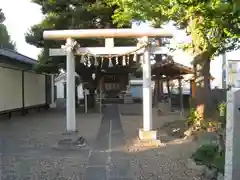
71, 110
147, 91
147, 132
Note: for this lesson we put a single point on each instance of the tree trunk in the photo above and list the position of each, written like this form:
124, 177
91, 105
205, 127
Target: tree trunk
203, 88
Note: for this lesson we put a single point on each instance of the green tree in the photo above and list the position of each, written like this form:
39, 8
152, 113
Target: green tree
5, 39
214, 27
71, 14
2, 17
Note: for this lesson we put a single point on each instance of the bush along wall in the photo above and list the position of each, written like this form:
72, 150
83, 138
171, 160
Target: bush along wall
212, 155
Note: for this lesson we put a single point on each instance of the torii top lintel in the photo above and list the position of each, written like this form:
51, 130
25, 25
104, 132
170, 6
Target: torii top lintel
105, 33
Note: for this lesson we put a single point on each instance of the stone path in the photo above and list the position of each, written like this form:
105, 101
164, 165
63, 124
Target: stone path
107, 161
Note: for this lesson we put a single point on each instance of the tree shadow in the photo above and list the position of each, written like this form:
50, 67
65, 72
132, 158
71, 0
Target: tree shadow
171, 131
163, 162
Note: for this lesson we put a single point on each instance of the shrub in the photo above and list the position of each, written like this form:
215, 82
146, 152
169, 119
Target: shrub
205, 154
222, 112
209, 156
219, 162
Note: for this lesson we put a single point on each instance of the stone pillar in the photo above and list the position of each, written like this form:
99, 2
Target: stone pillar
147, 133
71, 111
232, 147
147, 92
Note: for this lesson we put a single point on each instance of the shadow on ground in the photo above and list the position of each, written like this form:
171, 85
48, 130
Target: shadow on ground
167, 162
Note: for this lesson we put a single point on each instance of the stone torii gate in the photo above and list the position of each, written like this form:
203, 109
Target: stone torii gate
70, 35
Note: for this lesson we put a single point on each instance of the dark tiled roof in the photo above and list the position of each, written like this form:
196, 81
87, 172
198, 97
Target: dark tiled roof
17, 56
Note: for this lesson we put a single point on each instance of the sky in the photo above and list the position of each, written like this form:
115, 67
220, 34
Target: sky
19, 20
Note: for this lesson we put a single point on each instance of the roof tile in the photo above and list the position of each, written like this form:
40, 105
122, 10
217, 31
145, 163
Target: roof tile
17, 56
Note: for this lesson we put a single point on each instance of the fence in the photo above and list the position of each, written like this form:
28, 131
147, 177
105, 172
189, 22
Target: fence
21, 90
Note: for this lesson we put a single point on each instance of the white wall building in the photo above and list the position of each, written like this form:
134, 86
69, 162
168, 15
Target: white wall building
60, 87
21, 89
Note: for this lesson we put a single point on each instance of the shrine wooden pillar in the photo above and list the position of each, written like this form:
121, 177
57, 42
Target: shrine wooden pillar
180, 95
160, 89
169, 94
123, 80
156, 90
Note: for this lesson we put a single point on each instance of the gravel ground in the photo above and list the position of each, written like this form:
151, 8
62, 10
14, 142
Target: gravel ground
168, 162
26, 146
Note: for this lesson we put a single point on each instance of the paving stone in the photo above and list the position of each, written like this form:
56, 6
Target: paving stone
98, 158
95, 173
120, 167
120, 178
120, 154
